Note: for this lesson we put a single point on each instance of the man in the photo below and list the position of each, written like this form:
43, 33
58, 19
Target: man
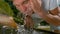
27, 7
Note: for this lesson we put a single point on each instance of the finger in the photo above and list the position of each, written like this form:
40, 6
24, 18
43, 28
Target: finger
35, 5
36, 2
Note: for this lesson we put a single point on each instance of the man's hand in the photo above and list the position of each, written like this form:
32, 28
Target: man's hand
36, 5
54, 11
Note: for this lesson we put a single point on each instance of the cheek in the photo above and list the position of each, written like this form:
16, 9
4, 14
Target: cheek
21, 8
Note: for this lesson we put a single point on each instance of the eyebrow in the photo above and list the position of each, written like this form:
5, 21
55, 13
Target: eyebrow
24, 1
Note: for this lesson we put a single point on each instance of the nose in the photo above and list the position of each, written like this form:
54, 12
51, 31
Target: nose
24, 8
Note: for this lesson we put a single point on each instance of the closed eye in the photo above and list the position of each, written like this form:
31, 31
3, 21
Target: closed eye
25, 2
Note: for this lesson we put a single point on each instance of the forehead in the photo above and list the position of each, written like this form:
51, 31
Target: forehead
22, 1
19, 1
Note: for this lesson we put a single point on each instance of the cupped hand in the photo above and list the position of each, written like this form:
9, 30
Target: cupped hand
36, 5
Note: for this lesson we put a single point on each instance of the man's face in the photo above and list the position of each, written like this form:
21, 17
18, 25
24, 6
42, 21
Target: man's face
23, 6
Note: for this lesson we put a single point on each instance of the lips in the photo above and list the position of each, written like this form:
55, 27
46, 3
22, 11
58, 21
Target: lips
28, 11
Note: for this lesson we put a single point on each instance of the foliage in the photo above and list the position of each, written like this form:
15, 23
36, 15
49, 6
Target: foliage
17, 15
7, 8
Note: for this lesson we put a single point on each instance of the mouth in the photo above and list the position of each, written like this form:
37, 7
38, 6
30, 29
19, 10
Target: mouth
28, 11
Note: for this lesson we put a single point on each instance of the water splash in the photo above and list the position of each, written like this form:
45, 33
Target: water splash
22, 30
